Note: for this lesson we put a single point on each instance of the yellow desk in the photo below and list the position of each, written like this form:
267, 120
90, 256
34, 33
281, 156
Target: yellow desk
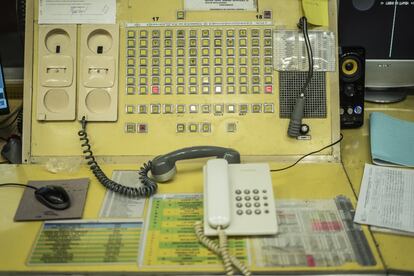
305, 181
397, 251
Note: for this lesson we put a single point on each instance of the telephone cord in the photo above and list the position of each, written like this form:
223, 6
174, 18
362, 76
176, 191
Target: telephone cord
213, 246
225, 252
149, 185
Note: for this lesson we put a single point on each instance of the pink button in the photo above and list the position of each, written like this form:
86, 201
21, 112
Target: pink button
268, 89
155, 89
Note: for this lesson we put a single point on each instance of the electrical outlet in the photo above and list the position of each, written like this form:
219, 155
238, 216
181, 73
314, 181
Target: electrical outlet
98, 83
56, 90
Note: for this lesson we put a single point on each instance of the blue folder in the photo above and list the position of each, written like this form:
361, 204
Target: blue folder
392, 140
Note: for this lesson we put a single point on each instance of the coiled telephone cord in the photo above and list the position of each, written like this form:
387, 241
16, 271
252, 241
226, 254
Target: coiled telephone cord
149, 185
220, 250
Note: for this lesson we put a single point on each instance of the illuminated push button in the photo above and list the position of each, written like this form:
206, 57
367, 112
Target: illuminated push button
180, 15
268, 70
243, 80
218, 90
168, 108
180, 80
131, 71
205, 90
205, 127
143, 52
180, 33
230, 33
205, 61
180, 90
192, 52
205, 80
168, 80
155, 43
130, 80
168, 52
268, 89
130, 128
230, 79
131, 52
218, 61
143, 34
230, 42
218, 80
205, 71
180, 52
193, 71
155, 89
143, 81
155, 33
243, 108
131, 62
242, 33
131, 34
142, 109
205, 108
155, 80
218, 108
218, 51
268, 32
255, 51
168, 33
193, 62
268, 42
243, 61
205, 42
255, 79
168, 90
193, 127
268, 52
243, 89
268, 108
255, 42
217, 43
155, 52
255, 32
230, 61
230, 51
205, 33
155, 108
256, 89
268, 61
350, 110
193, 89
231, 108
243, 70
131, 90
193, 33
180, 61
155, 71
130, 109
205, 52
143, 43
168, 71
131, 43
142, 90
180, 128
180, 108
268, 79
218, 33
256, 61
256, 108
143, 62
218, 70
243, 43
180, 71
193, 108
243, 51
142, 128
230, 70
255, 70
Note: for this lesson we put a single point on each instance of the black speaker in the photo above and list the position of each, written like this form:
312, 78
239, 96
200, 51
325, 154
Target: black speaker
351, 86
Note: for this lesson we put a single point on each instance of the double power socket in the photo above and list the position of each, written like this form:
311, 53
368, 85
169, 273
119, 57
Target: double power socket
77, 79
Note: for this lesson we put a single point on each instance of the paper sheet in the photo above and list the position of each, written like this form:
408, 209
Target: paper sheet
316, 11
206, 5
77, 11
386, 198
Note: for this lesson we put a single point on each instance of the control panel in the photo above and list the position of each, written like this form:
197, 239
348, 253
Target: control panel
172, 74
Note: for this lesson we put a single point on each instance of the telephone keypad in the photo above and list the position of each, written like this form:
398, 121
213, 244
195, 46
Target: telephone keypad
251, 205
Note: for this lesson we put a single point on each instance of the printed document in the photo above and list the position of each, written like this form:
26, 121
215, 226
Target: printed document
386, 198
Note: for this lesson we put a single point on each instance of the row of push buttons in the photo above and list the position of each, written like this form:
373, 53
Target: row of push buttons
202, 127
157, 108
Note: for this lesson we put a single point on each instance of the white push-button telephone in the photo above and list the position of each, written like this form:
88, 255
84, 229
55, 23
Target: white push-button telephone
238, 198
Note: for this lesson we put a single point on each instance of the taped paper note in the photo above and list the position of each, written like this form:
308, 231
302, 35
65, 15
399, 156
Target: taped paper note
77, 11
208, 5
316, 11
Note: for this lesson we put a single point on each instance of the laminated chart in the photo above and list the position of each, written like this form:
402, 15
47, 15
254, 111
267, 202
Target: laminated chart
170, 238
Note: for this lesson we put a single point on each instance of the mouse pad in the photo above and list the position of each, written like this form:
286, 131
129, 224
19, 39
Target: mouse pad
31, 209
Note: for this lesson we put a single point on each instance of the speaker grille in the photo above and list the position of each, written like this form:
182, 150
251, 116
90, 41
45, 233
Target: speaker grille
290, 84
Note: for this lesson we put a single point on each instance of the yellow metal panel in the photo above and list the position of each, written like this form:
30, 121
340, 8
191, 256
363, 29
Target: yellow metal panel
259, 132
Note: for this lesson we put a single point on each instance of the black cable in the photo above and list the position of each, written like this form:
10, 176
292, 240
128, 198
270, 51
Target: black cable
9, 124
18, 185
303, 24
313, 152
149, 188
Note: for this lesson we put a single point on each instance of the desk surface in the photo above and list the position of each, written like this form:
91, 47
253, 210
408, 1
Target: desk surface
397, 251
305, 181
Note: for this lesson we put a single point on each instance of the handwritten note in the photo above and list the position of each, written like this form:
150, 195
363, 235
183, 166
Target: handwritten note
77, 11
316, 11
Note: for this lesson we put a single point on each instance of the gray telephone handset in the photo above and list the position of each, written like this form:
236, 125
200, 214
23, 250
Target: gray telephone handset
238, 198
